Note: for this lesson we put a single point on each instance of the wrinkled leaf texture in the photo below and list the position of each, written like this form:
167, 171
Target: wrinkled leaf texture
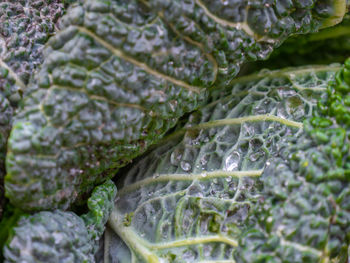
120, 73
191, 199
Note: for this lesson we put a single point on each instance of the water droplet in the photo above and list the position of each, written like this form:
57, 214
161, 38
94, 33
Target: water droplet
225, 2
204, 159
186, 166
259, 110
254, 156
156, 175
231, 162
282, 113
175, 157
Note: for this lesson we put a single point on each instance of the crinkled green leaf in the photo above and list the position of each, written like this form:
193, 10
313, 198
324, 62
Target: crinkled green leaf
304, 215
50, 237
58, 236
25, 27
333, 43
100, 206
120, 74
190, 198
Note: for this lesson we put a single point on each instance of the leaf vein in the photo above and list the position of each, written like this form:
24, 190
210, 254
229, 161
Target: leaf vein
139, 64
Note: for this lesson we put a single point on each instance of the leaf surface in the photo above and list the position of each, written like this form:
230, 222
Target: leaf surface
333, 43
120, 74
189, 199
25, 27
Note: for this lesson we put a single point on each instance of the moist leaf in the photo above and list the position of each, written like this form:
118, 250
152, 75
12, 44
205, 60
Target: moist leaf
120, 74
305, 213
188, 200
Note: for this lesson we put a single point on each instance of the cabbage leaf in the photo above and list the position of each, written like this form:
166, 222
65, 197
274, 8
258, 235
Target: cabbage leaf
120, 73
191, 198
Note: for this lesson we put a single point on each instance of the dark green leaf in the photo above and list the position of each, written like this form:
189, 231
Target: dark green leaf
120, 74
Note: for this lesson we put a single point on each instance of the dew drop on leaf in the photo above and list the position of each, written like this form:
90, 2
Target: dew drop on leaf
204, 159
175, 157
231, 162
156, 175
254, 156
185, 166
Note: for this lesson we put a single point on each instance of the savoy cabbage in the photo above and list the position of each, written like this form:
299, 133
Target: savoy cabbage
248, 169
198, 196
333, 43
118, 76
25, 27
60, 236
